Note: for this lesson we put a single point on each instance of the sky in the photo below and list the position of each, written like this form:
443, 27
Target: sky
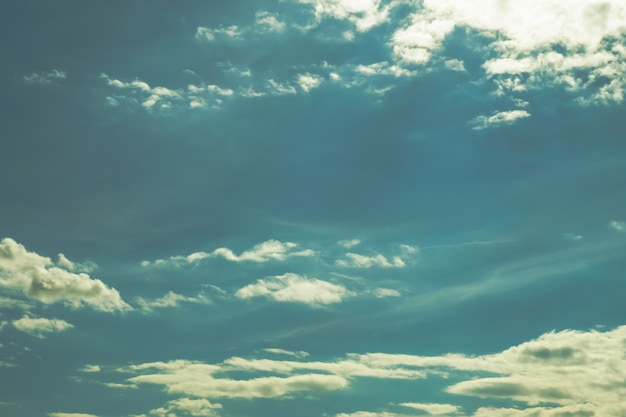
314, 208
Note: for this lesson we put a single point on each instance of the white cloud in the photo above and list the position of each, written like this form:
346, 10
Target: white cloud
38, 327
269, 21
232, 32
187, 406
309, 81
71, 415
90, 369
270, 250
386, 292
293, 288
499, 119
433, 409
169, 300
363, 14
150, 97
198, 380
620, 226
278, 351
349, 243
39, 279
354, 260
45, 77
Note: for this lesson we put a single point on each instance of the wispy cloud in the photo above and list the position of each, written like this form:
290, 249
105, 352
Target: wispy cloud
169, 300
270, 250
355, 260
45, 77
499, 119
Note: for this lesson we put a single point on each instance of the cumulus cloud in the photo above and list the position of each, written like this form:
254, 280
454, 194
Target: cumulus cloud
45, 77
293, 288
169, 300
270, 250
39, 327
349, 243
40, 279
499, 119
269, 21
363, 14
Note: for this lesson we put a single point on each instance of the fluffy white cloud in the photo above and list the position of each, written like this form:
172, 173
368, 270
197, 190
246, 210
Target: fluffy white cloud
262, 252
45, 77
293, 288
363, 14
499, 119
230, 32
269, 21
169, 300
349, 243
40, 279
38, 327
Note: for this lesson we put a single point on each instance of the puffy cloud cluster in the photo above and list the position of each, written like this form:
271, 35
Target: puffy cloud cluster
40, 279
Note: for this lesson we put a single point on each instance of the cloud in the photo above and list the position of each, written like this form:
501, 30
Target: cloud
269, 22
270, 250
71, 415
433, 409
349, 243
169, 300
38, 327
386, 292
355, 260
90, 369
198, 380
278, 351
618, 225
363, 14
45, 77
499, 119
41, 280
187, 406
293, 288
150, 97
232, 32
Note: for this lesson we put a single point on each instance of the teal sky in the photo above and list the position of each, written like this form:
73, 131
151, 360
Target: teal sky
313, 208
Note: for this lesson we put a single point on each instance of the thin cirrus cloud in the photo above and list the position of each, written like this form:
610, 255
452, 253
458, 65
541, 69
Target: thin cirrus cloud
270, 250
38, 278
45, 77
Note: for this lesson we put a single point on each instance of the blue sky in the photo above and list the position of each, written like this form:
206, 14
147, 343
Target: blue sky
335, 208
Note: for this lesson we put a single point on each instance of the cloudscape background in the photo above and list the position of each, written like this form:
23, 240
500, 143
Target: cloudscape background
337, 208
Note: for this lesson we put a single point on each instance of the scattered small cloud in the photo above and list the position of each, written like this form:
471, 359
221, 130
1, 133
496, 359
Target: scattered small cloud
348, 243
433, 409
90, 369
355, 260
498, 119
39, 327
45, 77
